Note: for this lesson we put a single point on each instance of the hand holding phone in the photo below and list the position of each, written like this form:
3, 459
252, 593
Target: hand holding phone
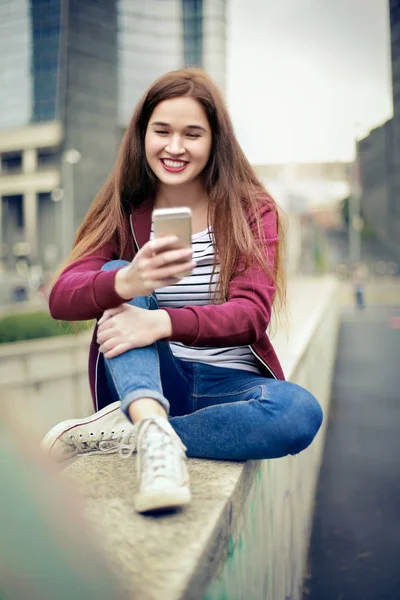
162, 261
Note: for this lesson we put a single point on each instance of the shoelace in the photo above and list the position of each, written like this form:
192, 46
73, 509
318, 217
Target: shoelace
126, 450
98, 444
159, 454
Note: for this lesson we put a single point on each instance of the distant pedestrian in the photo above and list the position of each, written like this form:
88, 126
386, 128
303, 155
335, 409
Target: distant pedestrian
20, 293
359, 281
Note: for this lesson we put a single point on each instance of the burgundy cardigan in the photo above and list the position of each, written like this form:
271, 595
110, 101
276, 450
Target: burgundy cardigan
84, 292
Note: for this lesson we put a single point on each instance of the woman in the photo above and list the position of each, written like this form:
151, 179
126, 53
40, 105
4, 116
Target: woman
181, 364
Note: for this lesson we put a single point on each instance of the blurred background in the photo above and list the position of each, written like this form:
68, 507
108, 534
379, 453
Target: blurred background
313, 88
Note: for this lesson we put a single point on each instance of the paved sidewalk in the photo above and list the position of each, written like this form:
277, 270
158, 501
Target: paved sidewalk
355, 543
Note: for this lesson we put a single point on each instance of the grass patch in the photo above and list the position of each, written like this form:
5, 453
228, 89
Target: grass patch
37, 325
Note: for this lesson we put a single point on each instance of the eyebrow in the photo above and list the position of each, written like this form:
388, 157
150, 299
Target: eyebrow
162, 124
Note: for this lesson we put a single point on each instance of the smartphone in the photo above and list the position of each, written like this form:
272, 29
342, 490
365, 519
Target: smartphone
174, 221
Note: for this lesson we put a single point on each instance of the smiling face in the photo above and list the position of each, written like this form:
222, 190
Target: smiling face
178, 141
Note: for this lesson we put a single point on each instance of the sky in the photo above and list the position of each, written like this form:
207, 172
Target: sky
307, 76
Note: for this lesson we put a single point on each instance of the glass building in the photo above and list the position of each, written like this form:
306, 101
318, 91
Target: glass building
379, 156
58, 91
395, 55
15, 69
29, 61
71, 72
163, 35
45, 43
192, 24
393, 159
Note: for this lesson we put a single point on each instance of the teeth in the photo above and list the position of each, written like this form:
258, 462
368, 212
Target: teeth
176, 164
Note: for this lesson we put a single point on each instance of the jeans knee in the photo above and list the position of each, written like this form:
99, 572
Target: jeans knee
149, 302
114, 264
310, 417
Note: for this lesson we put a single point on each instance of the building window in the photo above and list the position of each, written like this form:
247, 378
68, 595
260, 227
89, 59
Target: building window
47, 158
46, 22
13, 215
11, 162
192, 13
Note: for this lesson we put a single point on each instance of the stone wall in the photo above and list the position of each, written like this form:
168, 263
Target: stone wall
246, 533
45, 381
268, 548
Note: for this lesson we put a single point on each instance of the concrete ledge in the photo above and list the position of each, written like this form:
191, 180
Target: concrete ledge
246, 533
47, 378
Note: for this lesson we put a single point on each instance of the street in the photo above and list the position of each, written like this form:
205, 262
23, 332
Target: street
355, 541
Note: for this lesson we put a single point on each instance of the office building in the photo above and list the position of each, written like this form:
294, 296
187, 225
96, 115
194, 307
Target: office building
162, 35
379, 157
58, 90
70, 75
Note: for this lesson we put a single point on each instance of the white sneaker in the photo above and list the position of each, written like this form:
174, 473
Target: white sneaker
106, 432
161, 464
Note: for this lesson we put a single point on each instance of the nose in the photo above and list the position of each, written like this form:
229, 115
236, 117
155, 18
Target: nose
175, 147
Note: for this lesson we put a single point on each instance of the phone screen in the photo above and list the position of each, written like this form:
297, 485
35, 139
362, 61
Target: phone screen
174, 221
177, 222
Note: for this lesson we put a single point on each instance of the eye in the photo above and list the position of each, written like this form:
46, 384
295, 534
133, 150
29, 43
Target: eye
162, 132
193, 135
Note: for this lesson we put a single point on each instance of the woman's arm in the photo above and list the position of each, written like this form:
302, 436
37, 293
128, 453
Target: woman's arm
244, 318
83, 291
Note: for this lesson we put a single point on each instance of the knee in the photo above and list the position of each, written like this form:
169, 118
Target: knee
149, 302
308, 421
114, 264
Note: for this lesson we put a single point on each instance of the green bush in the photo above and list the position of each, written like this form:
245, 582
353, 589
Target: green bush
30, 326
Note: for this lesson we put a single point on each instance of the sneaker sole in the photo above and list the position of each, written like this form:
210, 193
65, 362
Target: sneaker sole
161, 500
58, 430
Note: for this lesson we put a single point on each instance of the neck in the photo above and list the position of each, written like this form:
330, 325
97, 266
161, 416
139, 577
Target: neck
191, 194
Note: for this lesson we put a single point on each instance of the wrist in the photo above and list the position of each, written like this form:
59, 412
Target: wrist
164, 324
121, 285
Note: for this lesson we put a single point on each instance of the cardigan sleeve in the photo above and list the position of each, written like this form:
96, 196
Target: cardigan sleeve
83, 291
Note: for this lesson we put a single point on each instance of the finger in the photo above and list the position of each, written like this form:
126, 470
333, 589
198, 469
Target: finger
117, 350
168, 272
105, 325
164, 282
109, 344
170, 256
110, 328
110, 312
156, 245
165, 259
105, 334
103, 317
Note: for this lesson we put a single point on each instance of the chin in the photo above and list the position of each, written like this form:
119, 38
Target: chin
172, 179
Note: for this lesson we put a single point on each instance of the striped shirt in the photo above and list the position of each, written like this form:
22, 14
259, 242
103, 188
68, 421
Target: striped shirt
195, 291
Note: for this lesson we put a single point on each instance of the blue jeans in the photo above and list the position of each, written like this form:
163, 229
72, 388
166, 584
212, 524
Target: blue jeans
217, 412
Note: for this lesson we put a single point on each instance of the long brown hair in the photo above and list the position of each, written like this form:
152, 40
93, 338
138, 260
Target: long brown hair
230, 182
